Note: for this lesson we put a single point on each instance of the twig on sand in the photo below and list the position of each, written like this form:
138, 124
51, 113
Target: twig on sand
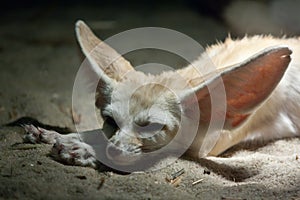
175, 182
175, 178
196, 182
177, 174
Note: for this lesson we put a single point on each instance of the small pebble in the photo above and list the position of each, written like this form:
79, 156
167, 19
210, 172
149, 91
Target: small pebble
81, 177
206, 171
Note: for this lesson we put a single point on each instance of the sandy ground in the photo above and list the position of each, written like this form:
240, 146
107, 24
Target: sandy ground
38, 63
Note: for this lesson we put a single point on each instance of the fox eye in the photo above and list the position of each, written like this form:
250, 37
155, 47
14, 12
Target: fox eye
109, 120
109, 126
148, 127
152, 127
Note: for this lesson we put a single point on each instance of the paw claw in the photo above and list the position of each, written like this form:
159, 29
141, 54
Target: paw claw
73, 152
32, 133
39, 135
66, 148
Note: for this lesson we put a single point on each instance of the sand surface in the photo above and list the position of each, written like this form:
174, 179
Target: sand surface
38, 63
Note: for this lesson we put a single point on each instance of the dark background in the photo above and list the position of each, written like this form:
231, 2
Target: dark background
39, 59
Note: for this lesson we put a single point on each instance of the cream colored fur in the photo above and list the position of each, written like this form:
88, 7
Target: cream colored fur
277, 117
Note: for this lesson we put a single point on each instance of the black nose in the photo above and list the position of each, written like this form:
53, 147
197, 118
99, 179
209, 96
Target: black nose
113, 151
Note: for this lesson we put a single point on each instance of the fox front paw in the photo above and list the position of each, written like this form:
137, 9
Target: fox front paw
39, 135
70, 150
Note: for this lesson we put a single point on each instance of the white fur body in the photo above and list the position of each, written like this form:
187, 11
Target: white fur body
277, 117
272, 115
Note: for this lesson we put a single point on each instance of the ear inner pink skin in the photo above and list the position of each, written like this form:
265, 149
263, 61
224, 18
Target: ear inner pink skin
247, 86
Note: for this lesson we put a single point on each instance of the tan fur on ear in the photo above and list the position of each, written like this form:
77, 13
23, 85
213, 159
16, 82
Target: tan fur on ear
108, 61
247, 85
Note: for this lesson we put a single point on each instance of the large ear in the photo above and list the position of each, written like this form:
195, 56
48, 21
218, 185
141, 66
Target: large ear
103, 67
247, 85
104, 60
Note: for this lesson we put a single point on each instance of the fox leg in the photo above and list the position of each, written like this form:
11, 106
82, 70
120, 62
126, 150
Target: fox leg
68, 149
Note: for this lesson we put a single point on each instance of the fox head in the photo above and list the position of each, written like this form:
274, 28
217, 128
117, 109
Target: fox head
147, 110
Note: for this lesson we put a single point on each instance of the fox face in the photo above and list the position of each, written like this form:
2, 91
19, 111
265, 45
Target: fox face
148, 111
146, 118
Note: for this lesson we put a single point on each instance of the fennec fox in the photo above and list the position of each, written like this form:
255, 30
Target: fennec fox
261, 78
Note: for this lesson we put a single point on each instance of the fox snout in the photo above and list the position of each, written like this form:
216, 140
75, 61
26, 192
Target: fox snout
123, 149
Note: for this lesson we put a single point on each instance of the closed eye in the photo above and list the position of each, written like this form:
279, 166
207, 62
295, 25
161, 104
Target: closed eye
149, 127
109, 120
109, 126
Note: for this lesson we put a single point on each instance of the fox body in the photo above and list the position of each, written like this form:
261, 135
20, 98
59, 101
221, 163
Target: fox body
260, 77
